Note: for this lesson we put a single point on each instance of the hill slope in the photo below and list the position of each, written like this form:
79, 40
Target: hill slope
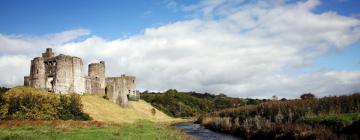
103, 110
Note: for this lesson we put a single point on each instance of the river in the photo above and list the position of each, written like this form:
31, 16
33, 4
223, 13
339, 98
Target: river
202, 133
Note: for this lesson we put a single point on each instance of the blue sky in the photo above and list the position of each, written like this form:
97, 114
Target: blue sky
159, 24
117, 19
111, 18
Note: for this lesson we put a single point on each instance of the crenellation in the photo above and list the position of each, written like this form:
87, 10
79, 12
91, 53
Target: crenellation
64, 74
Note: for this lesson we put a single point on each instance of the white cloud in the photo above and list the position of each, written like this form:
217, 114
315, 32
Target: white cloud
13, 68
241, 49
33, 45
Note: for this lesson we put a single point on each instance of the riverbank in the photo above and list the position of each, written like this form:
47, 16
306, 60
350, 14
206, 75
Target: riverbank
201, 133
335, 117
89, 130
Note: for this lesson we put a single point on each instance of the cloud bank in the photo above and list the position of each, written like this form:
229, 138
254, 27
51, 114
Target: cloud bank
242, 49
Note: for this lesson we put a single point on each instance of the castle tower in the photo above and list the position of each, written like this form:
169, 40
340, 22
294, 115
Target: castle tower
97, 77
68, 78
130, 86
48, 53
37, 73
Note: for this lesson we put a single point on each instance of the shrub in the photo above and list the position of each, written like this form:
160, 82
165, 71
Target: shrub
153, 111
37, 104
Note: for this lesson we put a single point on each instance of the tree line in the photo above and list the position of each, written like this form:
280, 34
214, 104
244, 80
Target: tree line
189, 104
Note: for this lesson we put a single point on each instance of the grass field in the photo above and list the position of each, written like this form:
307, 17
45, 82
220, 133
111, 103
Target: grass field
70, 130
109, 121
103, 110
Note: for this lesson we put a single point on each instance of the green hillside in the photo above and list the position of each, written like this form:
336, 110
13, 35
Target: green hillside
189, 104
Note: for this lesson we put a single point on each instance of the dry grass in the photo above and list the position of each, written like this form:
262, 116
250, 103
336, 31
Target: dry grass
103, 110
53, 123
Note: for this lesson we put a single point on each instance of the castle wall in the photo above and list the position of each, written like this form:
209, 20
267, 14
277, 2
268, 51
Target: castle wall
97, 78
116, 90
26, 80
64, 74
69, 77
37, 73
130, 84
87, 85
79, 80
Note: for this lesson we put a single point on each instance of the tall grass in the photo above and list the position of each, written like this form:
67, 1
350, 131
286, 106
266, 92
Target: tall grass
292, 118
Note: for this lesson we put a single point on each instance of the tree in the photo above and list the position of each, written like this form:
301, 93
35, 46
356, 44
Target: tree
274, 98
306, 96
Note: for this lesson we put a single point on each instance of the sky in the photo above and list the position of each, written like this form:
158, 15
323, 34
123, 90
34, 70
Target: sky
241, 48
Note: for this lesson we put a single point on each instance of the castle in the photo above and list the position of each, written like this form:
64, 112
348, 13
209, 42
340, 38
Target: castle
64, 74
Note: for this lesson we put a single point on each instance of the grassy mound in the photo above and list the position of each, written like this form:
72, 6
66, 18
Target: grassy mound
103, 110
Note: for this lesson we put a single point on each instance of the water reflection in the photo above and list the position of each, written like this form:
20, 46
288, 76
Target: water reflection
202, 133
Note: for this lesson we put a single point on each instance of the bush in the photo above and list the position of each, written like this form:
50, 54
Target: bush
2, 92
25, 103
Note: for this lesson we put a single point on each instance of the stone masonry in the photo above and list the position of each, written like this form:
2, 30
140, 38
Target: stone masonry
64, 74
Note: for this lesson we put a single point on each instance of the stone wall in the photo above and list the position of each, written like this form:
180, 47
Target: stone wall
130, 84
79, 80
69, 76
116, 91
97, 78
37, 73
87, 84
26, 80
120, 89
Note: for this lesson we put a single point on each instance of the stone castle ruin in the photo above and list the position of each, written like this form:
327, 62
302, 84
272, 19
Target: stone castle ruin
64, 74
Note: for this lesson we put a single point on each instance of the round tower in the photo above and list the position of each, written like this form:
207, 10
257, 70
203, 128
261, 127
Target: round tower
97, 77
37, 73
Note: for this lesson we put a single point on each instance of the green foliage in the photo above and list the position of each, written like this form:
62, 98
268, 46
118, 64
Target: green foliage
337, 121
141, 130
2, 92
71, 108
188, 104
328, 115
307, 96
133, 98
24, 103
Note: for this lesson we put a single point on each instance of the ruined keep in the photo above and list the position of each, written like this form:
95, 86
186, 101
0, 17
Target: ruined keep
64, 74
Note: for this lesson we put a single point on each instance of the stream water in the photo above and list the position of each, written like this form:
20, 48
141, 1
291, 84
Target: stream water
202, 133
